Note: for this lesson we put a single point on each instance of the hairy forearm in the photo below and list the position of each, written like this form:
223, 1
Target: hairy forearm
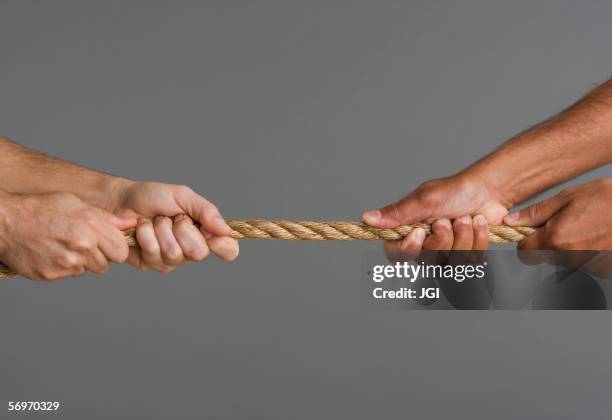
23, 171
575, 141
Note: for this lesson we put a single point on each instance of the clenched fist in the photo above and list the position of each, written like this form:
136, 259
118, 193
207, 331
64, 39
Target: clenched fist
459, 207
166, 231
56, 235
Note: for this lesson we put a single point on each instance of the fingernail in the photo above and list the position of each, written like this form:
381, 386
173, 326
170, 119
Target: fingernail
419, 235
372, 215
513, 217
480, 220
465, 220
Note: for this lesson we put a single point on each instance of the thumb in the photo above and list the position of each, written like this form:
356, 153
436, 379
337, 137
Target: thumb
121, 223
536, 214
408, 210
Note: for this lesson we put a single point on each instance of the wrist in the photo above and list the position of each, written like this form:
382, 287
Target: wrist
516, 171
496, 179
115, 190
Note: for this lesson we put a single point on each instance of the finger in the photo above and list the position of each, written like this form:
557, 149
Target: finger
406, 249
72, 265
135, 259
536, 214
77, 272
442, 236
97, 262
481, 233
150, 250
224, 247
536, 240
529, 253
463, 233
189, 238
122, 223
112, 243
393, 250
170, 250
60, 274
204, 212
111, 240
408, 210
114, 246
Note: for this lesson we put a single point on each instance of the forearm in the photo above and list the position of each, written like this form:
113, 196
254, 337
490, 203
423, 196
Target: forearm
575, 141
6, 203
23, 171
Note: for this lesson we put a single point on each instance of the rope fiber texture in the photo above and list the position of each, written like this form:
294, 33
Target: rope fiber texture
325, 231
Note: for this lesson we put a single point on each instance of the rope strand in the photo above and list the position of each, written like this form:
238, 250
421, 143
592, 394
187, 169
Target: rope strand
325, 231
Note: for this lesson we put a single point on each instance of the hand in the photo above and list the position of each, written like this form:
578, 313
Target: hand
461, 234
447, 198
575, 219
172, 239
52, 236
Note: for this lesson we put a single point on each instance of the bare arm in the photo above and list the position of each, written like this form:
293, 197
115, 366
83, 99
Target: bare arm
23, 171
575, 141
169, 240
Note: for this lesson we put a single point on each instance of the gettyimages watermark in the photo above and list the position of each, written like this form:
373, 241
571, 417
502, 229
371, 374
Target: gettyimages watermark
411, 272
496, 279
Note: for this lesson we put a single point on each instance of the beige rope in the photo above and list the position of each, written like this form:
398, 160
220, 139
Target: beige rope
324, 231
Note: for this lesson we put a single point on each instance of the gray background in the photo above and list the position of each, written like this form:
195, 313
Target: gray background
301, 110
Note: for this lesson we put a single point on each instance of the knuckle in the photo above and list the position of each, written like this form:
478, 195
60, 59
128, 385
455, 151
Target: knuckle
81, 243
427, 197
67, 261
174, 255
427, 185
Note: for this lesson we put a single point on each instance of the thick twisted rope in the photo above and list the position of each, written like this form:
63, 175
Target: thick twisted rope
325, 231
346, 231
